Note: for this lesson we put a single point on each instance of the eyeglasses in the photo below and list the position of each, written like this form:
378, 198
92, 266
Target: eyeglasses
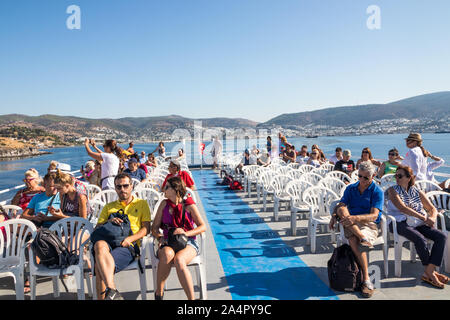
28, 179
393, 154
360, 176
120, 186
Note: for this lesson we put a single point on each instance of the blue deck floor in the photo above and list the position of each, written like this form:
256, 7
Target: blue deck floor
256, 261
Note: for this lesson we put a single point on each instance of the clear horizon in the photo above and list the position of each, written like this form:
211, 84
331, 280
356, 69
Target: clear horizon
206, 59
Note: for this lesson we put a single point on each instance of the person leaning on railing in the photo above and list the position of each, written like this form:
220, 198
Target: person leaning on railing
415, 217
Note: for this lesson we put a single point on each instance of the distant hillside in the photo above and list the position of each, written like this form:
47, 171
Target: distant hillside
434, 105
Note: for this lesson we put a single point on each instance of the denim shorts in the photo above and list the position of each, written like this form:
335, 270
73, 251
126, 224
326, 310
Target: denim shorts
191, 242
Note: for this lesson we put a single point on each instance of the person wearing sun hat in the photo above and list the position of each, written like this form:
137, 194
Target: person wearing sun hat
416, 157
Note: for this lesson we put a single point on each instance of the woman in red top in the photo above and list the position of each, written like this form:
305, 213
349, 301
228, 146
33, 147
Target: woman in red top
174, 171
33, 187
169, 215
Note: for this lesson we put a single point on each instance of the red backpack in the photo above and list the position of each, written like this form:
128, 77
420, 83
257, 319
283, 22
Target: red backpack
235, 185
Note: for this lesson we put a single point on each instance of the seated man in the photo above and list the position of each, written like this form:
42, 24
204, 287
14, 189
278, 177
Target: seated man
175, 170
264, 158
302, 155
359, 211
37, 209
246, 161
337, 156
134, 171
345, 165
107, 261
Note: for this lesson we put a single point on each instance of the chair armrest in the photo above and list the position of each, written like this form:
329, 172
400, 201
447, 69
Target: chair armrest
441, 217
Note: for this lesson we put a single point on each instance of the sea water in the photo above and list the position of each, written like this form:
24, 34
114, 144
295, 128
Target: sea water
12, 171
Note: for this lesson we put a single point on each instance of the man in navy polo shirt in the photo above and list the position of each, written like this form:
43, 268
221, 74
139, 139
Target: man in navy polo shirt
359, 211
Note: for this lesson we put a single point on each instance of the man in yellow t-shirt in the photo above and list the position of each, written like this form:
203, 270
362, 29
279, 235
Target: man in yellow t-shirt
107, 261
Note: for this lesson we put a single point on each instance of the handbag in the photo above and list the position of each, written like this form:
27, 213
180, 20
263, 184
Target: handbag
177, 241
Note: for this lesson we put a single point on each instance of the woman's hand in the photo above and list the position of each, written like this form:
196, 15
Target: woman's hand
430, 221
179, 231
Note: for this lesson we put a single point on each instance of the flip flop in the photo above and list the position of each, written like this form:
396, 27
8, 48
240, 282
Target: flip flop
442, 278
434, 284
26, 288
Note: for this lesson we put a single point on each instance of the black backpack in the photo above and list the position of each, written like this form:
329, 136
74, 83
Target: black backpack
51, 251
344, 272
113, 233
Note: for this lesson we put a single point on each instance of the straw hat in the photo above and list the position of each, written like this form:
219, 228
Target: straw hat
414, 136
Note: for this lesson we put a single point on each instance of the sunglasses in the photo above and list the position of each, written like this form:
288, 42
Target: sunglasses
399, 175
120, 186
365, 152
360, 176
393, 154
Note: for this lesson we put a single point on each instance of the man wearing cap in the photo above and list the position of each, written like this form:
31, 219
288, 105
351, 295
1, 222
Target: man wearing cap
175, 170
346, 164
416, 157
134, 171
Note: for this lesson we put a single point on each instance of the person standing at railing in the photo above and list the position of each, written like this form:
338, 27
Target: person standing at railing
416, 157
32, 182
109, 158
216, 151
432, 166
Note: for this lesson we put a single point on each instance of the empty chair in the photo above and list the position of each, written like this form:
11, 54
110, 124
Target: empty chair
254, 179
338, 186
150, 195
295, 190
263, 182
306, 168
294, 165
279, 184
319, 200
71, 231
320, 171
92, 191
13, 211
283, 170
340, 175
96, 208
427, 186
312, 178
136, 183
275, 187
327, 166
12, 257
295, 174
249, 172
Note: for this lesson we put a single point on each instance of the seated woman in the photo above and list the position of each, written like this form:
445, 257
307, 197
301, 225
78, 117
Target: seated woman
175, 171
73, 202
170, 215
416, 216
390, 166
322, 156
32, 187
181, 155
314, 159
366, 155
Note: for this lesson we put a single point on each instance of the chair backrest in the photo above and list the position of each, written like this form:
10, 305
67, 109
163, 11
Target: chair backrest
266, 177
311, 177
295, 190
327, 166
279, 182
340, 175
305, 168
13, 246
96, 209
92, 190
295, 173
283, 170
250, 170
319, 199
338, 186
107, 196
447, 184
439, 199
72, 231
135, 183
427, 186
354, 176
294, 165
320, 171
150, 195
13, 211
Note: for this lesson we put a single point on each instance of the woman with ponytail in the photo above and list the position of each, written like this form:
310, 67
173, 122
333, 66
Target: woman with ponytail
109, 158
416, 157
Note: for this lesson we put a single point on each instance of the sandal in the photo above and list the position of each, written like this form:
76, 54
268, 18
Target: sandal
26, 287
430, 281
442, 278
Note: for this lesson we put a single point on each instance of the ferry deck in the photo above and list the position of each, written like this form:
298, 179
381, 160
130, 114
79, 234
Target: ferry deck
249, 256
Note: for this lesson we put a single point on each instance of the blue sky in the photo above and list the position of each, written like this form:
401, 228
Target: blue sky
253, 59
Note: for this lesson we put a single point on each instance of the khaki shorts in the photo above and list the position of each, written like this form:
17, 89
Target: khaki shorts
369, 230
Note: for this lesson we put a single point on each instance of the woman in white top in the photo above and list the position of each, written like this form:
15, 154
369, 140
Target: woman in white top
314, 159
110, 158
416, 157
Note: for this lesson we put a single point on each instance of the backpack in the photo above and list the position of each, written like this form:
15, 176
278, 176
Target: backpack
113, 233
344, 272
235, 185
51, 251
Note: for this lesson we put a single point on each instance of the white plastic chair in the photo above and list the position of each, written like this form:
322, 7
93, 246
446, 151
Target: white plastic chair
382, 239
427, 186
305, 168
447, 184
96, 207
71, 231
135, 183
339, 175
150, 195
387, 181
264, 182
294, 165
319, 200
328, 166
249, 171
199, 262
295, 191
320, 171
12, 251
295, 174
92, 190
254, 179
13, 211
338, 186
279, 184
107, 196
312, 178
283, 170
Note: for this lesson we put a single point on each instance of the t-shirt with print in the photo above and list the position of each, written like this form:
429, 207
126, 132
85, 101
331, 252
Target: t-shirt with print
345, 166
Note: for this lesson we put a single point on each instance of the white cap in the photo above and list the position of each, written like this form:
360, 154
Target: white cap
64, 167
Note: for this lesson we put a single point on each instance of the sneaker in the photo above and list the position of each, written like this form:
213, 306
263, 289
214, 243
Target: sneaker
367, 289
112, 294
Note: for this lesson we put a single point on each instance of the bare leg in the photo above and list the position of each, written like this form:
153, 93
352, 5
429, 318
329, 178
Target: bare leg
182, 259
104, 266
360, 255
343, 212
165, 256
